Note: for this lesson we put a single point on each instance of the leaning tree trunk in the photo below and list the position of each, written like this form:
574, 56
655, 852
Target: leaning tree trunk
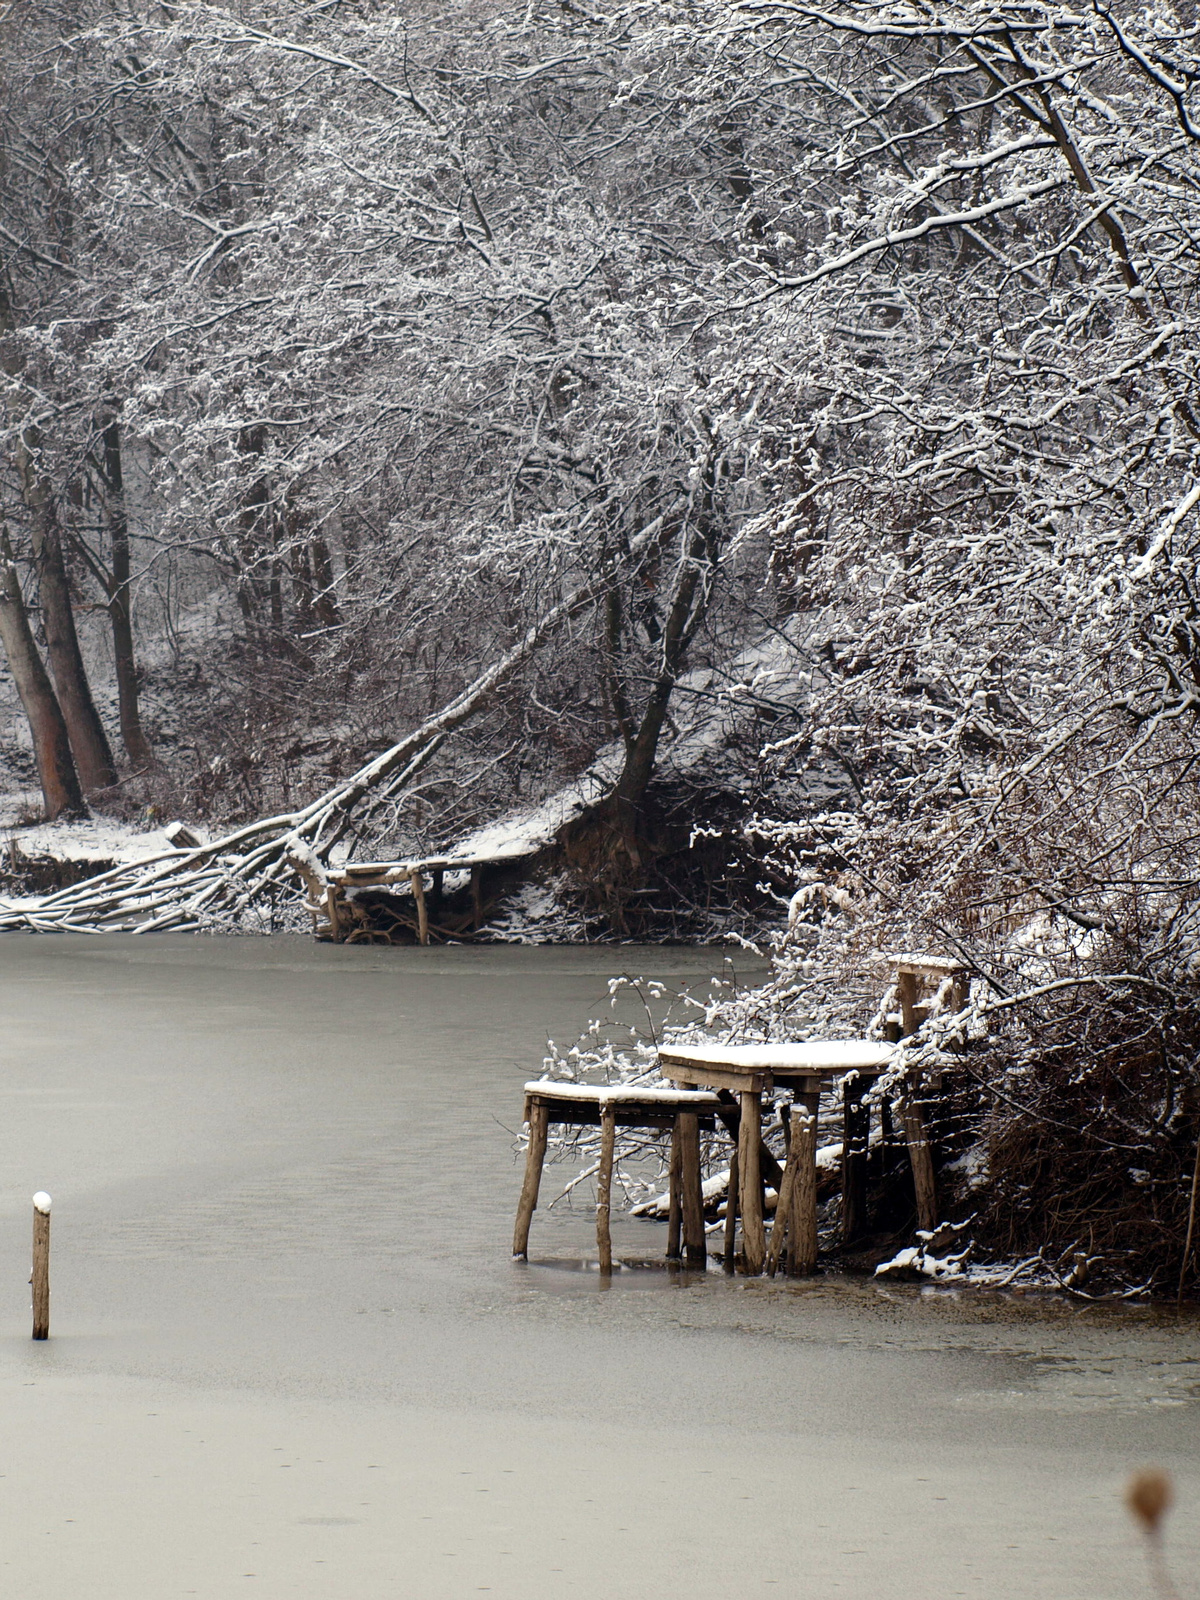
88, 740
137, 746
689, 603
61, 793
607, 847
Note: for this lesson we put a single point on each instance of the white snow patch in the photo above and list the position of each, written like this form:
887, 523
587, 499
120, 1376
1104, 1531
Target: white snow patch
97, 839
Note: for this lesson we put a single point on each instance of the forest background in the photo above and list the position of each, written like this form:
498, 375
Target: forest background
793, 407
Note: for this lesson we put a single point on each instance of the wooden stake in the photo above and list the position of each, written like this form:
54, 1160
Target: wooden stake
802, 1246
608, 1139
41, 1265
694, 1244
856, 1138
539, 1123
750, 1199
731, 1211
418, 888
477, 895
675, 1210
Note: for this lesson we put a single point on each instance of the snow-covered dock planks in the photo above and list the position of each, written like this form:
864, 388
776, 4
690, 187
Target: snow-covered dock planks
338, 915
725, 1083
577, 1105
749, 1071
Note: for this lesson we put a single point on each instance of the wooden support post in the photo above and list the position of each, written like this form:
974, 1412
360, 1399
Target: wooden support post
750, 1198
783, 1207
856, 1137
695, 1246
608, 1139
41, 1265
906, 993
437, 892
675, 1197
477, 894
879, 1163
769, 1169
331, 911
539, 1122
802, 1245
920, 1155
731, 1211
418, 888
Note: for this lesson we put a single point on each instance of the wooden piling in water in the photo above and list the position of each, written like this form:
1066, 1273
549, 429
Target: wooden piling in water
754, 1241
539, 1126
694, 1244
41, 1265
783, 1210
921, 1156
417, 880
608, 1139
731, 1212
675, 1197
802, 1226
856, 1137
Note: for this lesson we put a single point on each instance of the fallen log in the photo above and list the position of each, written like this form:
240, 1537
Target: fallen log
184, 889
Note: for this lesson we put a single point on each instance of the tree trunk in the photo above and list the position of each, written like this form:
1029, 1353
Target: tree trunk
61, 794
120, 611
89, 743
688, 605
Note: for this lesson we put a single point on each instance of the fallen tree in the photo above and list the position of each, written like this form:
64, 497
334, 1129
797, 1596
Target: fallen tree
223, 880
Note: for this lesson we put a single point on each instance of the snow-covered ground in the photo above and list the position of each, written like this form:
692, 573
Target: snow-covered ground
99, 839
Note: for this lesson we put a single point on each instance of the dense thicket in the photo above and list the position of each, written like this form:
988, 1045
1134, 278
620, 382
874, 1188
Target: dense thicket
376, 336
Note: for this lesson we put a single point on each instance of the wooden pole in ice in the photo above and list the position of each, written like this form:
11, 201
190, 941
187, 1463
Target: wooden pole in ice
41, 1265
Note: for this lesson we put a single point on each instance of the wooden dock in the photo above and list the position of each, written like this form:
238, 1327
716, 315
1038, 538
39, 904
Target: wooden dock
412, 903
725, 1084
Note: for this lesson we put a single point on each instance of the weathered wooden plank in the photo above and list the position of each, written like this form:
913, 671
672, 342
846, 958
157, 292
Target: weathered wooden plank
588, 1114
713, 1077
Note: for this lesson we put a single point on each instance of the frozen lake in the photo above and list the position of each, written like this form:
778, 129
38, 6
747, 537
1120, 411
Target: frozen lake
290, 1356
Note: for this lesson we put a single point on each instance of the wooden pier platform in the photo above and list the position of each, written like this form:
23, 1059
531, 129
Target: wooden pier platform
342, 915
725, 1084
